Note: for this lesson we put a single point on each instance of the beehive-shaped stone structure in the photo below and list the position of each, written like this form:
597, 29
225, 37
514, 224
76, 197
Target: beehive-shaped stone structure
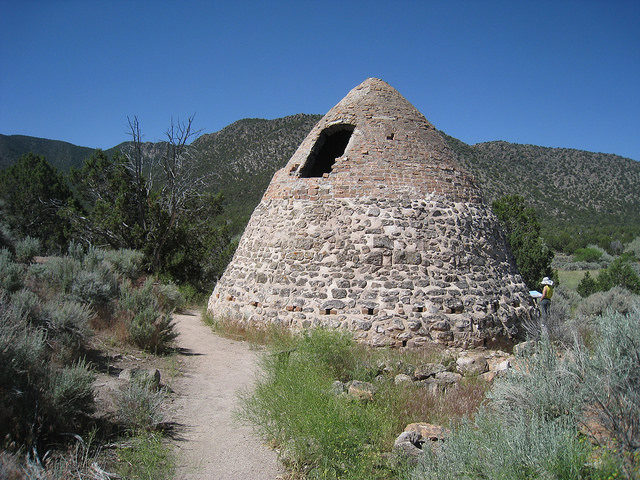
373, 227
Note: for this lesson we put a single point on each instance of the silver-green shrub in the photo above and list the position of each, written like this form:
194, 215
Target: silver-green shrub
58, 273
11, 273
139, 406
71, 394
617, 299
634, 248
75, 250
169, 297
93, 258
27, 248
125, 262
97, 286
609, 374
489, 448
543, 385
68, 326
152, 330
27, 305
136, 300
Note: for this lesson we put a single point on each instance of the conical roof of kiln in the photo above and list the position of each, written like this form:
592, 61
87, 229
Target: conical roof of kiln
372, 227
375, 142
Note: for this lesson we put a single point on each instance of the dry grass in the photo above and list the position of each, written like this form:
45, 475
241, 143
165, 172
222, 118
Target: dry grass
266, 335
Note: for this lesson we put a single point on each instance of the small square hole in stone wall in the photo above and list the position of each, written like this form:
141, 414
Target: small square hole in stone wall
369, 311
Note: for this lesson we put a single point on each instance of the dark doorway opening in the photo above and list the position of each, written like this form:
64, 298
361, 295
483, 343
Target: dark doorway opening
330, 145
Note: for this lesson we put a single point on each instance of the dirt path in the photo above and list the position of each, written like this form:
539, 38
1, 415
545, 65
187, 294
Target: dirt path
213, 445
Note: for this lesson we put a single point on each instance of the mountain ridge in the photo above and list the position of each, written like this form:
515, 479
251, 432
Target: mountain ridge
562, 184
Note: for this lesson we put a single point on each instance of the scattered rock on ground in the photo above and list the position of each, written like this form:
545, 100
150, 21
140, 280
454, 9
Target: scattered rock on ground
338, 387
361, 390
469, 365
402, 378
409, 445
427, 370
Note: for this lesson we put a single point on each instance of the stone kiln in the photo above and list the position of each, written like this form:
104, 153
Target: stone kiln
373, 227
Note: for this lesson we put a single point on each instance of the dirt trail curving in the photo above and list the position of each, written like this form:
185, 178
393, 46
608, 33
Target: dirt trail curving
213, 445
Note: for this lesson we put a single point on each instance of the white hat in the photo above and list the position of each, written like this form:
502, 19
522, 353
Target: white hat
546, 281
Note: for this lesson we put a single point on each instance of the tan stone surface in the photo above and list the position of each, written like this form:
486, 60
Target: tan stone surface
394, 243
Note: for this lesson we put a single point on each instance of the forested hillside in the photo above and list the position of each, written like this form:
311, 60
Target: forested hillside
61, 155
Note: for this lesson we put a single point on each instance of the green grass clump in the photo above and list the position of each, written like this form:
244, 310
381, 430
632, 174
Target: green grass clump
146, 457
329, 435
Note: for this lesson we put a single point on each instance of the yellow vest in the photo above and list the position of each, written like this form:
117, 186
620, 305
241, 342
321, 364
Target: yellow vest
547, 292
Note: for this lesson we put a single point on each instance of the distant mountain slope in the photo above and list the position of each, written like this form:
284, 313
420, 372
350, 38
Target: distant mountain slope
242, 157
564, 185
60, 154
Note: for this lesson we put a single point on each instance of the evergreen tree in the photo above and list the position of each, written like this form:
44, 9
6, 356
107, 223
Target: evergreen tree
32, 193
520, 222
587, 285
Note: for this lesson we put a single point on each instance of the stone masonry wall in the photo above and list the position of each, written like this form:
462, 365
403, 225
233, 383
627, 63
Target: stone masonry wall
396, 271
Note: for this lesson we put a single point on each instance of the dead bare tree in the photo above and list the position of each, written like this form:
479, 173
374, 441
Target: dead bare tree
179, 178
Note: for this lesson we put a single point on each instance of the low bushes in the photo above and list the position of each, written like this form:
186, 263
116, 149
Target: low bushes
140, 405
37, 398
27, 248
541, 415
10, 272
148, 324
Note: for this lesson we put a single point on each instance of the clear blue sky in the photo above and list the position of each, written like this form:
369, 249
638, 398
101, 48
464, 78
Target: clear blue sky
553, 73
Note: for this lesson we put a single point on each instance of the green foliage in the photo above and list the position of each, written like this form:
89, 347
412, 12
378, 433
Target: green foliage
27, 248
105, 189
617, 300
634, 248
58, 273
172, 230
489, 448
152, 330
587, 285
169, 297
32, 191
138, 299
125, 262
95, 288
587, 254
323, 433
619, 273
529, 428
544, 388
71, 394
61, 155
67, 324
532, 256
10, 272
149, 326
